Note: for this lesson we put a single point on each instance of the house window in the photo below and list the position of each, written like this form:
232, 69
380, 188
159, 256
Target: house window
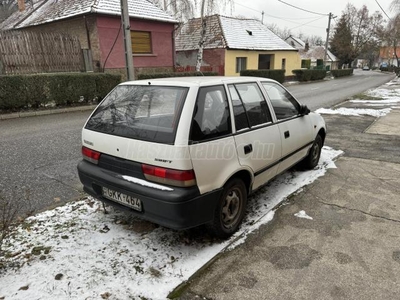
241, 64
141, 42
283, 63
306, 63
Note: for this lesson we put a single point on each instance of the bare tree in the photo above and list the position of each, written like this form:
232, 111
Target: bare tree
357, 33
10, 208
364, 28
282, 33
207, 7
182, 10
391, 36
395, 5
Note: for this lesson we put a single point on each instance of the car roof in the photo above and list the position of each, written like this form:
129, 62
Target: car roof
195, 80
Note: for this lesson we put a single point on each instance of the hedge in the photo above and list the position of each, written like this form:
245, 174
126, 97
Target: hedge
342, 72
391, 69
278, 75
307, 75
176, 74
19, 91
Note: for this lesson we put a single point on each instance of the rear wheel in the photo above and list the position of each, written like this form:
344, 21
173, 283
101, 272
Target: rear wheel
311, 160
230, 210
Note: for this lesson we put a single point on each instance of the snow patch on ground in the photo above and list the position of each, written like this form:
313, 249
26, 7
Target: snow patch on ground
354, 111
78, 252
302, 214
387, 101
384, 93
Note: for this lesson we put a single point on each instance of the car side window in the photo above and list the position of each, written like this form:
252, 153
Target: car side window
211, 116
239, 112
254, 103
285, 106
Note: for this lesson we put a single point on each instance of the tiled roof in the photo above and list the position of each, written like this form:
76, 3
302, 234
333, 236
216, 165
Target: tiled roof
231, 33
317, 52
313, 53
298, 43
189, 34
45, 11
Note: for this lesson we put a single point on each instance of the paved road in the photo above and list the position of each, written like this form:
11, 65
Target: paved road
40, 154
329, 93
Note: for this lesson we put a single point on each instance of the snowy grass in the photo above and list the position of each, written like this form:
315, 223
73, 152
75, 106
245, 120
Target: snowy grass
78, 252
377, 97
354, 111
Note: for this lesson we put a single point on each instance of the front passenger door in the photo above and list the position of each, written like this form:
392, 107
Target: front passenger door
295, 129
257, 139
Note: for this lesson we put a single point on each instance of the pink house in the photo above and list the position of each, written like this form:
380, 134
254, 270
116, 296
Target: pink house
97, 24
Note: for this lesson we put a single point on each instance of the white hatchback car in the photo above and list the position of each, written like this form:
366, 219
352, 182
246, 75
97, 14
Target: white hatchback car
182, 152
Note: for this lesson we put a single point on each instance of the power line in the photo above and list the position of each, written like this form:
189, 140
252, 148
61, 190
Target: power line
382, 9
309, 11
281, 18
305, 24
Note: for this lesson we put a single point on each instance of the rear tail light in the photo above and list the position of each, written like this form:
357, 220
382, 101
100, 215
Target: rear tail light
179, 178
90, 155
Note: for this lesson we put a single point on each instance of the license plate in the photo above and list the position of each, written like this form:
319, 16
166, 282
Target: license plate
126, 200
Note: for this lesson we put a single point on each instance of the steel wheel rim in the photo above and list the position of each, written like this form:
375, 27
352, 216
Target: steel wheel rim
315, 153
231, 208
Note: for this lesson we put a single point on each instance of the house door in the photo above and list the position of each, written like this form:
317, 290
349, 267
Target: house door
264, 61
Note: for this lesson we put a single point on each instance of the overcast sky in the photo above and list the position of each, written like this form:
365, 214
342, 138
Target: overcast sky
292, 18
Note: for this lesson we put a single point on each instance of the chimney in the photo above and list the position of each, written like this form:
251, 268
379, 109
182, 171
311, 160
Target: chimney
21, 5
307, 46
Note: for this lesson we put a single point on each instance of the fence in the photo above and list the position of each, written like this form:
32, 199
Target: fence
219, 69
24, 52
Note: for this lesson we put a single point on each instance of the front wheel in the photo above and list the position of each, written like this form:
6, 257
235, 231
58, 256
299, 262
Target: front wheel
311, 160
230, 210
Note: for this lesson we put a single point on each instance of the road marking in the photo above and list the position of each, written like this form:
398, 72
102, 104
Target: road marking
313, 89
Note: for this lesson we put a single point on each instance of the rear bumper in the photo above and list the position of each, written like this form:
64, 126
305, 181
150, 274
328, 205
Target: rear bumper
181, 208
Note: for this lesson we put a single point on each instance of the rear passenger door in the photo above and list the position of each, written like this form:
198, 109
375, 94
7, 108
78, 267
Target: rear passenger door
257, 139
294, 129
212, 147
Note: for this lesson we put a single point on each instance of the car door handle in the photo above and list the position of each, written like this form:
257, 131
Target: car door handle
248, 148
287, 134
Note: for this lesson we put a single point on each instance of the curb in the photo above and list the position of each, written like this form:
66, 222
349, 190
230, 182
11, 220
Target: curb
45, 112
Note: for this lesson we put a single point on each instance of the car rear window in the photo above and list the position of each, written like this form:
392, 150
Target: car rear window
149, 113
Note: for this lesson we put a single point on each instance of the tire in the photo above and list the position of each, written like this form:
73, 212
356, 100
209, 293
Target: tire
311, 160
230, 210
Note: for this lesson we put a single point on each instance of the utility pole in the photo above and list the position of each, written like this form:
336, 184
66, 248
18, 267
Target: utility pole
126, 26
327, 37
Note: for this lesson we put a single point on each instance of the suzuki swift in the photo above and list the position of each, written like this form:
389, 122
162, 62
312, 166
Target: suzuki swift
183, 152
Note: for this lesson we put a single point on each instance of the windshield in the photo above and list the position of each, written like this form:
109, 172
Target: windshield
149, 113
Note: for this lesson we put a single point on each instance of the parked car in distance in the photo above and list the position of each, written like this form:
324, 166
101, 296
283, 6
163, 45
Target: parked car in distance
183, 152
365, 68
384, 67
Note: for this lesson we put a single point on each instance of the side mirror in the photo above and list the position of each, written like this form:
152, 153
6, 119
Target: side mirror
304, 110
